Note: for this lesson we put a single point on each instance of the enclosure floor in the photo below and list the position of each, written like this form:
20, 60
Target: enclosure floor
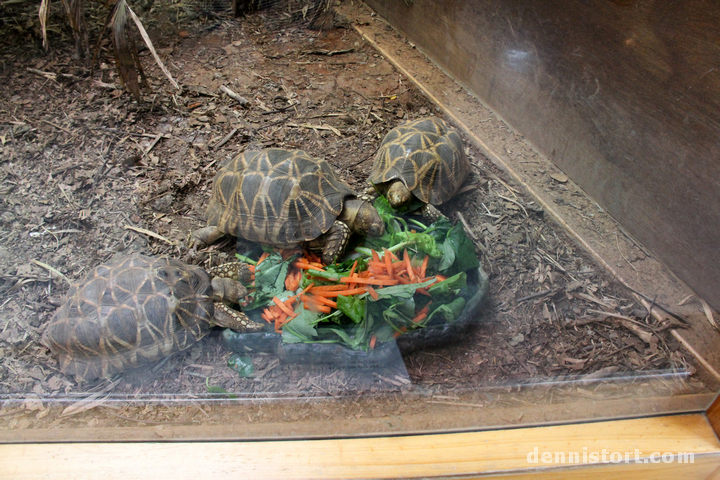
561, 339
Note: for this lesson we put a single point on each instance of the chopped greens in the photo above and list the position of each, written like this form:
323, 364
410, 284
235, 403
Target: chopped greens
412, 277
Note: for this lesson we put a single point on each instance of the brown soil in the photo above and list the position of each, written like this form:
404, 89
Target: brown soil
86, 172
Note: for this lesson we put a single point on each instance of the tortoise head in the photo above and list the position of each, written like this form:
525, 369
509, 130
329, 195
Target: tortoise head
362, 218
398, 194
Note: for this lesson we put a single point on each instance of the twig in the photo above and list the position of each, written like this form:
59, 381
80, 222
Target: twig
58, 127
241, 100
488, 212
515, 202
149, 233
617, 242
533, 295
467, 227
225, 139
328, 53
50, 269
316, 127
457, 404
155, 142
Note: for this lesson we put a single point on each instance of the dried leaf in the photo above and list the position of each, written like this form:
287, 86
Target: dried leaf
150, 46
709, 313
559, 177
126, 56
43, 14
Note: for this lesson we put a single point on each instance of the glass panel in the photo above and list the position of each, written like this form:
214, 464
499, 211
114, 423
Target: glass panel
526, 326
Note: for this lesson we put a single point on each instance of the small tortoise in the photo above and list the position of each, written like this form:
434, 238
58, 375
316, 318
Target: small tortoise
140, 309
421, 158
286, 198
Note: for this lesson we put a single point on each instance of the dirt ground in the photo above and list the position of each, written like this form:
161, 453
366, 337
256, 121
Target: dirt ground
88, 173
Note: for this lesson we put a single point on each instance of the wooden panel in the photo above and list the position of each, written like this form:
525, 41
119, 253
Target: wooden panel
713, 415
622, 95
390, 457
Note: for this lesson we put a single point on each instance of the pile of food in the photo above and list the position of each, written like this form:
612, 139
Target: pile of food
412, 277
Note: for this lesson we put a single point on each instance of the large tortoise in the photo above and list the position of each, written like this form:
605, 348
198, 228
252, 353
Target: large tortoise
286, 198
139, 309
423, 159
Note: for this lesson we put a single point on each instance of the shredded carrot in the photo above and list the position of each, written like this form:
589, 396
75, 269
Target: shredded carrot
423, 266
388, 263
373, 293
266, 315
287, 310
325, 301
316, 307
312, 257
375, 256
423, 291
292, 280
373, 340
308, 266
352, 269
327, 288
369, 281
419, 317
345, 293
410, 271
251, 268
400, 332
262, 257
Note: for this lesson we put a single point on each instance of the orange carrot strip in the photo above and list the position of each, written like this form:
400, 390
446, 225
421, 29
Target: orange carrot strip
375, 256
388, 262
373, 340
292, 280
423, 291
262, 257
325, 301
284, 307
316, 307
369, 281
352, 269
398, 333
425, 309
403, 281
312, 256
440, 278
251, 268
373, 293
325, 288
307, 266
266, 315
423, 266
410, 271
345, 293
419, 317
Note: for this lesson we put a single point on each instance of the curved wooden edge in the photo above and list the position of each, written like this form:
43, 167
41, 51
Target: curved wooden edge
638, 443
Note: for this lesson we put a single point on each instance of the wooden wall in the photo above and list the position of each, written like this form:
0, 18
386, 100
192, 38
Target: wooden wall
623, 95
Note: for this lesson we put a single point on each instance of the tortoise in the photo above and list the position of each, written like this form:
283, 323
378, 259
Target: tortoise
422, 159
286, 198
139, 309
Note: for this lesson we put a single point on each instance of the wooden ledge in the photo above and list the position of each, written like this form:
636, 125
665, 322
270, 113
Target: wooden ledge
422, 456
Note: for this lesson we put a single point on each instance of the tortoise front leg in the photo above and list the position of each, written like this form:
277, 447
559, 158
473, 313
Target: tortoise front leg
233, 319
206, 235
331, 243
